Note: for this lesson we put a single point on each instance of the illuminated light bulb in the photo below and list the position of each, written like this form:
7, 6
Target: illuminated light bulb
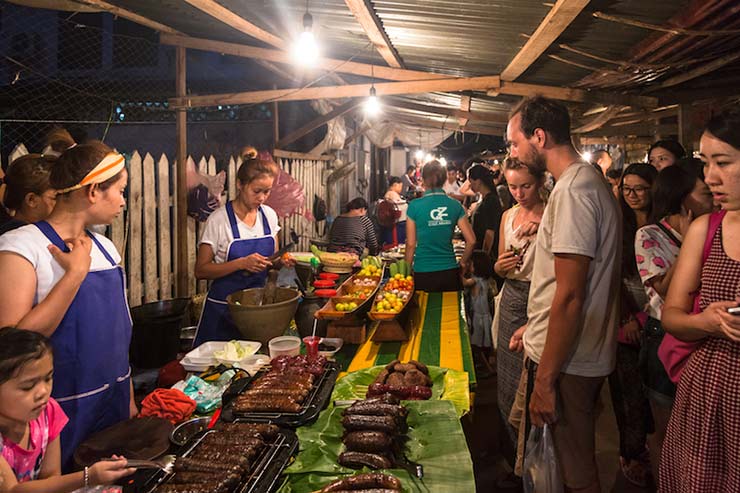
495, 161
372, 104
443, 161
587, 156
419, 154
428, 158
306, 49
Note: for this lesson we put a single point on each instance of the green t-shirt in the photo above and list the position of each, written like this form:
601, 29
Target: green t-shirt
436, 216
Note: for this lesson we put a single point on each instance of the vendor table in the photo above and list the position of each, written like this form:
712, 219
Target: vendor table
438, 336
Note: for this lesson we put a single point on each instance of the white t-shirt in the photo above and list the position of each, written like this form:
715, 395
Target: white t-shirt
580, 218
451, 188
30, 243
217, 231
655, 253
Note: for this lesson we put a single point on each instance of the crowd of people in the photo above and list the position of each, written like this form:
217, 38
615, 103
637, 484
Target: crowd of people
577, 273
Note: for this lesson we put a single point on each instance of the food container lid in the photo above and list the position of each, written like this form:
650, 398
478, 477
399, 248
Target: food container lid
284, 342
324, 283
328, 275
325, 293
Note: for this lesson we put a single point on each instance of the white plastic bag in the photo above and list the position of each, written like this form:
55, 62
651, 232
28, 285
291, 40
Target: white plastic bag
541, 470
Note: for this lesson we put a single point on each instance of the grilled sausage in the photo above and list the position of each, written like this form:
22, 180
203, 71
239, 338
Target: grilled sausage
403, 367
298, 394
358, 460
358, 422
202, 465
367, 441
202, 477
376, 409
212, 486
381, 376
386, 398
420, 366
272, 404
220, 455
231, 441
367, 480
415, 377
390, 365
395, 380
266, 431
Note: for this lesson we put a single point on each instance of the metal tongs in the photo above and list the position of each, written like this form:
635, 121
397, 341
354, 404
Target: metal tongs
164, 463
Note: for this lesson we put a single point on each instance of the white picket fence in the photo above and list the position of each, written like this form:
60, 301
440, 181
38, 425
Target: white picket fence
145, 233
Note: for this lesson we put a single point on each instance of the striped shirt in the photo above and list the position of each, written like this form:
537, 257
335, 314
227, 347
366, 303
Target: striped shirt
352, 234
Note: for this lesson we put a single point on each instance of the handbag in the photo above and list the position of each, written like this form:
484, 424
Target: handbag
674, 353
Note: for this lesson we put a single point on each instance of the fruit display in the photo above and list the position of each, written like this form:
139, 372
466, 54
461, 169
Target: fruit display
355, 294
407, 381
338, 262
371, 267
374, 429
401, 267
395, 295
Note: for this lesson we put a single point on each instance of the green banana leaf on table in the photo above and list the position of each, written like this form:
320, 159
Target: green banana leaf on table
450, 385
435, 440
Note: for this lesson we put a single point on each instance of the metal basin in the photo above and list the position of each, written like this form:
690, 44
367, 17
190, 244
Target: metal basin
262, 323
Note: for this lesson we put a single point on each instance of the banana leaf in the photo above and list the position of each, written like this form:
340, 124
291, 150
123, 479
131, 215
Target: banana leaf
435, 440
450, 385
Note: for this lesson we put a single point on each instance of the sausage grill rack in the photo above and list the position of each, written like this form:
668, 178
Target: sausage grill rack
315, 401
263, 475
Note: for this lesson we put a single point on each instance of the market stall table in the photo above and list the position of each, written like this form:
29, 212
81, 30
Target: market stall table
438, 336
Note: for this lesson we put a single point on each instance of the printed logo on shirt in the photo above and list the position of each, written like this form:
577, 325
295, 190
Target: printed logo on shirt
438, 216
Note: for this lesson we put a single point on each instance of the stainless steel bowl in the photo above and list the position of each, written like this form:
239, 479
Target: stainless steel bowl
187, 429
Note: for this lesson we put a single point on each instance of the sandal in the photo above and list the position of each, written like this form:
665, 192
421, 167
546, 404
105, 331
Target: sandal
635, 471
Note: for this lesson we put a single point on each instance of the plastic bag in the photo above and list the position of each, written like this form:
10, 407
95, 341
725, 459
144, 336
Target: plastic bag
541, 470
287, 196
207, 395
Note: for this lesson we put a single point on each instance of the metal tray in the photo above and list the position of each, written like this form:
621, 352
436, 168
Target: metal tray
316, 400
263, 477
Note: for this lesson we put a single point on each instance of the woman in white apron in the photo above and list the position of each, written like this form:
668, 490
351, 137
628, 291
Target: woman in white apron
234, 249
65, 282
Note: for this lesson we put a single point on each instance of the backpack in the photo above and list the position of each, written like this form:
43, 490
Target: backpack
387, 213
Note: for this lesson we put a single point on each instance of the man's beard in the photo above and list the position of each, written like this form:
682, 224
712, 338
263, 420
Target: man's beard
534, 160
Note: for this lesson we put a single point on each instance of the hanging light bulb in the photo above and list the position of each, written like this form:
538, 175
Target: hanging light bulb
587, 156
443, 161
306, 50
372, 104
419, 154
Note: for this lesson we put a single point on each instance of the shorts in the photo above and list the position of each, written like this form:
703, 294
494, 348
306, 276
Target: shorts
574, 432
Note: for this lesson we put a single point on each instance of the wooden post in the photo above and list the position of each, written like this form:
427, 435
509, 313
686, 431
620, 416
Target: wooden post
275, 122
181, 192
685, 133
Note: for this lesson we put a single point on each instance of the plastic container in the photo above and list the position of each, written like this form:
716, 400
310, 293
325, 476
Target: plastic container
200, 358
334, 342
284, 345
249, 360
324, 283
325, 293
329, 276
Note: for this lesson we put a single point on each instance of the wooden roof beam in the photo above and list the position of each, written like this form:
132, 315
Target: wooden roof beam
575, 95
464, 106
365, 14
237, 22
132, 16
335, 92
451, 125
343, 66
555, 22
317, 122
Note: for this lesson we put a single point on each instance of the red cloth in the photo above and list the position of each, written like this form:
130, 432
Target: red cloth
170, 404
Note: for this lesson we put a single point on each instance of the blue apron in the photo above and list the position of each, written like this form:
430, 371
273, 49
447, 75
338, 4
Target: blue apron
215, 320
91, 367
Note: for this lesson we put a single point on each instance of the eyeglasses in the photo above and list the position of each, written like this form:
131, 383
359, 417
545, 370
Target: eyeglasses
636, 190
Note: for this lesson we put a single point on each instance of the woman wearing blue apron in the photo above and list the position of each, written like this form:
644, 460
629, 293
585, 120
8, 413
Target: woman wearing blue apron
234, 248
65, 282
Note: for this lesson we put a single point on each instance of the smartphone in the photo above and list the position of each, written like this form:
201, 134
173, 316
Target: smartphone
734, 310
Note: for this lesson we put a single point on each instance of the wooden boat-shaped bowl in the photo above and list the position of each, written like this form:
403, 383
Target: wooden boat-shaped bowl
345, 295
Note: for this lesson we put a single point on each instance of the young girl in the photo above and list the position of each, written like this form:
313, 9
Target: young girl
28, 191
30, 422
480, 288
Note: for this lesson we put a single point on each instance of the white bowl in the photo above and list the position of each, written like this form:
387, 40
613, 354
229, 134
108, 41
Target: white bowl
284, 346
335, 342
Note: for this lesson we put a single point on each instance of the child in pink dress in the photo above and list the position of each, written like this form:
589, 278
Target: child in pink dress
30, 422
